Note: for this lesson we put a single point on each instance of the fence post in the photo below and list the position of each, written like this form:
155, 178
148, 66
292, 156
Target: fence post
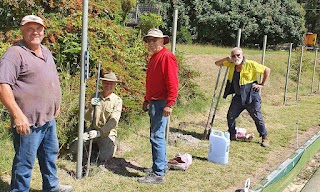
314, 69
287, 76
299, 74
263, 55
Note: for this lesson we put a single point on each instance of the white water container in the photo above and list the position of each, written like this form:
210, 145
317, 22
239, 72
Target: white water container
219, 147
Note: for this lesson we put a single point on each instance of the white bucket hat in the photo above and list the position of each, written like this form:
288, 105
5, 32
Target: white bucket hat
109, 77
33, 19
156, 33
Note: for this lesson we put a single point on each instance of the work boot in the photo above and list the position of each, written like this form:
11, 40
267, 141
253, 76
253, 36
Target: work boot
233, 137
152, 178
265, 141
65, 188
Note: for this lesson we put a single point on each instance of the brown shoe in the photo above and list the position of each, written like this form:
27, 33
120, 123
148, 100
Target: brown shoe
265, 141
233, 137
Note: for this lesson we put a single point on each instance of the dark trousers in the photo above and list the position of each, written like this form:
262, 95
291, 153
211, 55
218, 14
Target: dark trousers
254, 109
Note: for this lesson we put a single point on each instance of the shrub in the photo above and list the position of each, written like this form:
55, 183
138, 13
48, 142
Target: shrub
148, 21
184, 36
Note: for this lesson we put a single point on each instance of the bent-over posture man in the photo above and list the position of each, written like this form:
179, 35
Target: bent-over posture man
243, 83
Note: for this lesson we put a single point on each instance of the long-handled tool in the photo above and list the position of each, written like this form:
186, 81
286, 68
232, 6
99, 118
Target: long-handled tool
92, 119
207, 130
208, 126
168, 129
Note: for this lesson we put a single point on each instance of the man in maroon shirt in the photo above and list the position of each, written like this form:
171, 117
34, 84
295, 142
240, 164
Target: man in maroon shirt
161, 93
30, 90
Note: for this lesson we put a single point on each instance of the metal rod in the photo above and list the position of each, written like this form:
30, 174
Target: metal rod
299, 74
174, 31
314, 69
173, 47
84, 48
209, 125
263, 55
219, 96
92, 119
287, 76
297, 134
168, 129
239, 38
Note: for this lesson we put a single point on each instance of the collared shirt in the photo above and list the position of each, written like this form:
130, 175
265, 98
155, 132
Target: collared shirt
248, 75
34, 81
162, 77
249, 71
107, 113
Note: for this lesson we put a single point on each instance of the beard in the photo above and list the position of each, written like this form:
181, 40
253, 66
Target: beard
237, 61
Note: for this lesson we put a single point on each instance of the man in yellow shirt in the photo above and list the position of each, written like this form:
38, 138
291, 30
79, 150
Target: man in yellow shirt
243, 83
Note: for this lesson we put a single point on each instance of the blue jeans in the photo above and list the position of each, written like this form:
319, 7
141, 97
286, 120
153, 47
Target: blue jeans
43, 143
254, 109
157, 136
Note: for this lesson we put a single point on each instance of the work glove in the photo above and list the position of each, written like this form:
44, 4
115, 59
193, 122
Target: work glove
95, 101
91, 135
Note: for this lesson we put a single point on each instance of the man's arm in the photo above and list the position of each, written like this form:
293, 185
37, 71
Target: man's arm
112, 123
266, 75
20, 121
220, 62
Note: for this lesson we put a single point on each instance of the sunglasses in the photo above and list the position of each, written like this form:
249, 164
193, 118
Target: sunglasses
235, 55
148, 40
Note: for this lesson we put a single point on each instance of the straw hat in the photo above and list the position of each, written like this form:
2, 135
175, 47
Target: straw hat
156, 33
33, 19
109, 77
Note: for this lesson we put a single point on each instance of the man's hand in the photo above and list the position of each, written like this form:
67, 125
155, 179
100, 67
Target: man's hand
167, 111
145, 106
229, 59
256, 87
95, 101
22, 125
91, 135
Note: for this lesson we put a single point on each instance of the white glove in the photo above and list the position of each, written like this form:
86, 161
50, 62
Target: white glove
91, 135
95, 101
86, 136
94, 134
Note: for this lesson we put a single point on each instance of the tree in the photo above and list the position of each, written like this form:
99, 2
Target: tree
312, 8
217, 21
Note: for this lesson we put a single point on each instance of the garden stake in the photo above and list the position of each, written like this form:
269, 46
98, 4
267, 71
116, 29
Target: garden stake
92, 119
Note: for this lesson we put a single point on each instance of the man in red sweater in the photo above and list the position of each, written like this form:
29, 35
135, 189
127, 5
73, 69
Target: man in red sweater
161, 94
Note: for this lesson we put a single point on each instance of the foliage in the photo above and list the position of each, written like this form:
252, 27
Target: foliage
217, 22
148, 21
126, 6
188, 90
295, 64
184, 36
312, 16
120, 50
